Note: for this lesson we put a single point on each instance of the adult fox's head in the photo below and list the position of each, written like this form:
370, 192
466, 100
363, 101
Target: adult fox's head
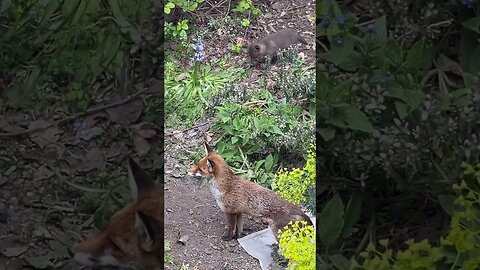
133, 237
206, 165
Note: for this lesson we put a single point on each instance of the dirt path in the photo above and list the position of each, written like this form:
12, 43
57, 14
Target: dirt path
191, 211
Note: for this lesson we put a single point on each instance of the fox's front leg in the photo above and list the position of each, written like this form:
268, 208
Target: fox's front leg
239, 226
231, 220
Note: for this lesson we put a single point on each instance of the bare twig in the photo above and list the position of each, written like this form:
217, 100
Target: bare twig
75, 116
185, 130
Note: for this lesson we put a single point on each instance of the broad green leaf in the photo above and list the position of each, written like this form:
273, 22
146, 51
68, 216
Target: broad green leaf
414, 99
69, 7
49, 10
417, 56
80, 11
348, 116
326, 133
352, 214
269, 162
330, 221
338, 93
339, 262
474, 63
401, 109
473, 24
5, 5
446, 202
468, 43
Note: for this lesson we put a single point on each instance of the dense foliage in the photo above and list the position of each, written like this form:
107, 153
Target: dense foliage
398, 108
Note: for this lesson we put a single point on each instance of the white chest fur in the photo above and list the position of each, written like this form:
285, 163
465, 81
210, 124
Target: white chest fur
216, 193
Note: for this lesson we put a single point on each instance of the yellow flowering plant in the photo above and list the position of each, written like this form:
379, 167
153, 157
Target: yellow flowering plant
298, 185
297, 244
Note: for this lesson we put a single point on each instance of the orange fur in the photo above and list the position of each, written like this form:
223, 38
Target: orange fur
237, 196
134, 235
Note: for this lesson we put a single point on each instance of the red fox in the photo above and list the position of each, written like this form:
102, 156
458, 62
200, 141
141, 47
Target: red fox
134, 235
237, 196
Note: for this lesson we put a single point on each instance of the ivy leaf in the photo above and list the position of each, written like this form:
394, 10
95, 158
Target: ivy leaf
331, 220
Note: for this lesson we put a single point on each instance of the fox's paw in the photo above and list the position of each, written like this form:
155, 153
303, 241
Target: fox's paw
227, 237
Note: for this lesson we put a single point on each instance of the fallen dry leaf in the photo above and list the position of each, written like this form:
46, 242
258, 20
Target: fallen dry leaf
42, 173
46, 136
144, 130
7, 127
141, 145
127, 113
94, 159
13, 251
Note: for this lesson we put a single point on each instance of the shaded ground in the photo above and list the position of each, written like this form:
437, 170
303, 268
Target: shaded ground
53, 180
191, 211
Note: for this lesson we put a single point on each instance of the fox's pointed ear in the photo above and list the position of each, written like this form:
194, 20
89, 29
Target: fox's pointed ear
138, 179
208, 149
210, 165
148, 230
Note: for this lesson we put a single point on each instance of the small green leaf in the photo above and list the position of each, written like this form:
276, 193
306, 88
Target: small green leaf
168, 7
331, 220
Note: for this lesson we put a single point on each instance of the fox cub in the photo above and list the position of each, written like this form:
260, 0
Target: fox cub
237, 196
269, 45
134, 235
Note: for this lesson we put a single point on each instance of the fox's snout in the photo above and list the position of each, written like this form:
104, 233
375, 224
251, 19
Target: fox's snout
193, 171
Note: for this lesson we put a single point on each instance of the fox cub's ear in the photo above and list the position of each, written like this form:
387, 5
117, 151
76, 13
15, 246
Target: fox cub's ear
208, 149
139, 181
210, 165
148, 229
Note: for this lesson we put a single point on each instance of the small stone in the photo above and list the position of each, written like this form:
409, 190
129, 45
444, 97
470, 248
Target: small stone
208, 252
29, 194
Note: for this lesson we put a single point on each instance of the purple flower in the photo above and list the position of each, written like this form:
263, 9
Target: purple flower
383, 79
199, 53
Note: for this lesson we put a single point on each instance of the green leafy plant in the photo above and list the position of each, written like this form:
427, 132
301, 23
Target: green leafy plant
236, 48
336, 221
177, 31
188, 92
459, 249
70, 49
298, 185
297, 244
246, 6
